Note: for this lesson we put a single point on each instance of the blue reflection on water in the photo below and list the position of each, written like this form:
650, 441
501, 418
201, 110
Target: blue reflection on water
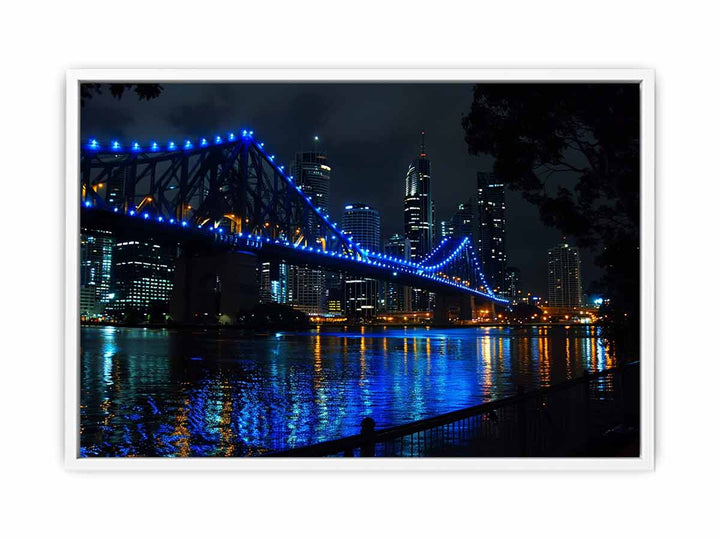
145, 393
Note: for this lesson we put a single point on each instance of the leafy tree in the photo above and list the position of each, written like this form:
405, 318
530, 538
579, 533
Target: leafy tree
144, 91
573, 151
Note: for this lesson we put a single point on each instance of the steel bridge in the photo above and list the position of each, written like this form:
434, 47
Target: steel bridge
230, 192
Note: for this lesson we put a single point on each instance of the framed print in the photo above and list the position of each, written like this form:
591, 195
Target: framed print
360, 269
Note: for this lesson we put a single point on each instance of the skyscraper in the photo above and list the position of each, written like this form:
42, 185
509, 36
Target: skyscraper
95, 272
142, 279
464, 221
564, 285
273, 282
491, 230
512, 277
361, 222
307, 289
418, 205
397, 297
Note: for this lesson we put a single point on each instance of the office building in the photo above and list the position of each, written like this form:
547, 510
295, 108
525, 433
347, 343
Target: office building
464, 221
307, 290
142, 280
397, 296
490, 240
361, 222
95, 272
564, 284
418, 205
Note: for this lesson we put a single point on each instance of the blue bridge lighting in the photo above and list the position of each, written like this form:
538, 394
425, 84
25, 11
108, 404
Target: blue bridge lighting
445, 264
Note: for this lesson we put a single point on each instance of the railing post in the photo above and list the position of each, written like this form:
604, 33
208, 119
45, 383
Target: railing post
367, 430
522, 423
586, 408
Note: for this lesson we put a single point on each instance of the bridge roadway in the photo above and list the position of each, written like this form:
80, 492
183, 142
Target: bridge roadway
208, 239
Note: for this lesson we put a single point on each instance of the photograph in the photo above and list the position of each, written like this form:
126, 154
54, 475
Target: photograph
358, 268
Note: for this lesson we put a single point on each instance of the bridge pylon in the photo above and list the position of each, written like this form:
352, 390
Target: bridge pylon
210, 286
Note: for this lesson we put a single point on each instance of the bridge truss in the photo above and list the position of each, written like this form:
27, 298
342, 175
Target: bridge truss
232, 190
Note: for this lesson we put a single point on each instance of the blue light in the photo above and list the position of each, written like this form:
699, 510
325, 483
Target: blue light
218, 139
203, 142
231, 136
160, 219
115, 145
172, 220
184, 223
132, 212
172, 146
93, 144
188, 145
271, 157
115, 209
88, 204
220, 230
154, 147
146, 215
136, 147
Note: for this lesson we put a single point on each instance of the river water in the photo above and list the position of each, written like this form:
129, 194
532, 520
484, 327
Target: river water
148, 392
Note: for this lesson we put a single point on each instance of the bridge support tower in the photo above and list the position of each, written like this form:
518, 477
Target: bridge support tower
212, 287
451, 307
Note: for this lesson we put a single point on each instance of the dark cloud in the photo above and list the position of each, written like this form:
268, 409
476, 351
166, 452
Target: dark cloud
370, 131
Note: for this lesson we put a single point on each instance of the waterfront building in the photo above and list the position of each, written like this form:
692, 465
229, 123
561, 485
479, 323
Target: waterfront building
512, 278
490, 240
273, 282
397, 297
307, 288
361, 222
564, 283
142, 280
95, 272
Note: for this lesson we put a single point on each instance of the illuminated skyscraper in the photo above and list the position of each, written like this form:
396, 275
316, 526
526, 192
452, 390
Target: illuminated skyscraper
361, 222
418, 205
307, 289
142, 279
491, 230
95, 272
397, 297
273, 282
564, 285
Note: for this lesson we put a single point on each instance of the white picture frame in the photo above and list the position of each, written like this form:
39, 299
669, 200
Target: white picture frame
645, 78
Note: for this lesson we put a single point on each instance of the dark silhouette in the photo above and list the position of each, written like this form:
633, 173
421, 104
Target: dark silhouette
573, 151
144, 91
367, 430
274, 316
526, 311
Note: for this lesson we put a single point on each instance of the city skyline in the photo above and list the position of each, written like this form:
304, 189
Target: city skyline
308, 326
454, 171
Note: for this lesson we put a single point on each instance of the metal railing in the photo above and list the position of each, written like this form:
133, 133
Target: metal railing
578, 417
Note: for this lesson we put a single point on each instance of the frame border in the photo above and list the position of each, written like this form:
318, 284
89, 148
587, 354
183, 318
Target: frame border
71, 325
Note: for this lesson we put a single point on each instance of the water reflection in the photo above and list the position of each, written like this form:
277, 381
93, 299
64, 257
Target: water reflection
179, 393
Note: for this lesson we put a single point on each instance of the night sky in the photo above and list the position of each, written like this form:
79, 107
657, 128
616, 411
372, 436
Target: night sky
370, 131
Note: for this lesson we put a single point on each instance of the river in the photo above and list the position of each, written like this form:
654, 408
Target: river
148, 392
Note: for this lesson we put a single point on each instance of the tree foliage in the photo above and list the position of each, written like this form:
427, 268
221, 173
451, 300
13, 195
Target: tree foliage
143, 91
573, 150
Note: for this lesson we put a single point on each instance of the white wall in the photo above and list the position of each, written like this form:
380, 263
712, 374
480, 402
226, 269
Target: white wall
40, 41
